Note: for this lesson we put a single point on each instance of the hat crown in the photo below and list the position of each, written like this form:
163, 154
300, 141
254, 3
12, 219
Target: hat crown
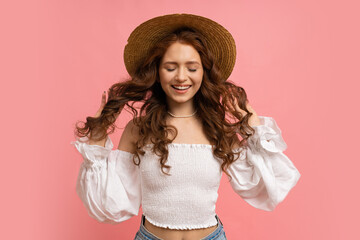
143, 38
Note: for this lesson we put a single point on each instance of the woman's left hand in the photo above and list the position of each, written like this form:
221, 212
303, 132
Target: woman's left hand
254, 119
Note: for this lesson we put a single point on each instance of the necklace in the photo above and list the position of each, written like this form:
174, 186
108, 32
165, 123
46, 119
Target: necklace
182, 116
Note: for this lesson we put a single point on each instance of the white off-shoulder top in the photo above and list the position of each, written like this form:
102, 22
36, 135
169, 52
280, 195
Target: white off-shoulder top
112, 187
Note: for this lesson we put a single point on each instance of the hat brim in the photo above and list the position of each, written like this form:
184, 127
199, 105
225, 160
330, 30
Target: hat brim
142, 39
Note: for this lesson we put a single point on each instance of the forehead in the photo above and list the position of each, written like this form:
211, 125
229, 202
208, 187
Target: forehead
181, 52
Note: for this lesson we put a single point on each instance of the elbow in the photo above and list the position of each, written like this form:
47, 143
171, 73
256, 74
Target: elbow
282, 192
109, 213
112, 218
124, 216
115, 214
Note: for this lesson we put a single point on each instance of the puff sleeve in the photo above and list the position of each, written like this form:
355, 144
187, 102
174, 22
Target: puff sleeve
263, 175
108, 182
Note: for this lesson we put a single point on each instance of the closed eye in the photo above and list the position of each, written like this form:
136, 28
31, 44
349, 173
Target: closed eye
172, 69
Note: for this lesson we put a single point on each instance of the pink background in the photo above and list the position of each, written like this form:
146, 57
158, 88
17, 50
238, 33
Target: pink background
297, 60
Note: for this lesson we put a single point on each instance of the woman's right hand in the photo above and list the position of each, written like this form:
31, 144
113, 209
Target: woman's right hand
102, 105
97, 114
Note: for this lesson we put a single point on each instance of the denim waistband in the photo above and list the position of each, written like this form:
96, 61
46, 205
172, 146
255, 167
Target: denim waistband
144, 234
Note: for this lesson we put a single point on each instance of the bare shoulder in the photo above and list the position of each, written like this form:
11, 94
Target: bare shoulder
129, 137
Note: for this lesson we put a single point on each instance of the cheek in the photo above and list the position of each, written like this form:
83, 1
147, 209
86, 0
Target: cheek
163, 85
165, 77
199, 79
162, 79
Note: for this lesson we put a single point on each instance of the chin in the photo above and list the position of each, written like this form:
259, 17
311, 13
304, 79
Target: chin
180, 99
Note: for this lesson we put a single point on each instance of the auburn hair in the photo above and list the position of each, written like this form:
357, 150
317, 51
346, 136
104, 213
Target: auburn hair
220, 123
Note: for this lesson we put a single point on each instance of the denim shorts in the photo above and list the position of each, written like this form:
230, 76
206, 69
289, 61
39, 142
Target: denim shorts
144, 234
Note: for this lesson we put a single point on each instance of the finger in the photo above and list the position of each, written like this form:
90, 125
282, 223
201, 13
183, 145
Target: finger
102, 104
103, 100
229, 105
104, 96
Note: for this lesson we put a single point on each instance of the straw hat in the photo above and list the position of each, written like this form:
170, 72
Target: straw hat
144, 36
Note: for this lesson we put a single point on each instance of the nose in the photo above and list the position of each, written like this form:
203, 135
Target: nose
181, 74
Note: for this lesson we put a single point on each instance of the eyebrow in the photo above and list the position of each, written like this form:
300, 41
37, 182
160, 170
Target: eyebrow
188, 62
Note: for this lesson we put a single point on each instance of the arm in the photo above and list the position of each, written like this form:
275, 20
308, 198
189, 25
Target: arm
263, 175
108, 182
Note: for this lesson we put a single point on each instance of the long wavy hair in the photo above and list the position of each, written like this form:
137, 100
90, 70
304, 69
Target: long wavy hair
221, 124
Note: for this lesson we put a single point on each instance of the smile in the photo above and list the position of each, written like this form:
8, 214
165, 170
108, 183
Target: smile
181, 87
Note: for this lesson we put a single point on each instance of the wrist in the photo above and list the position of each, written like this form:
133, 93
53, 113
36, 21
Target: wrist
254, 121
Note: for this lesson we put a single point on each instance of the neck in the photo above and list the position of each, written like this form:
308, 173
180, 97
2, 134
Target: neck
181, 109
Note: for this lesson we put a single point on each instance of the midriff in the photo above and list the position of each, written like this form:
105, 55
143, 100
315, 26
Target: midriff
175, 234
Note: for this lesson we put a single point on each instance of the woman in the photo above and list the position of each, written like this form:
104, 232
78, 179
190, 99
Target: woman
171, 156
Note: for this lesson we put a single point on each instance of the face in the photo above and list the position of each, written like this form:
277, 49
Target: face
180, 67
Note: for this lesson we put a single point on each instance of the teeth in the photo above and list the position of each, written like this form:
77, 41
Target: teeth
181, 88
